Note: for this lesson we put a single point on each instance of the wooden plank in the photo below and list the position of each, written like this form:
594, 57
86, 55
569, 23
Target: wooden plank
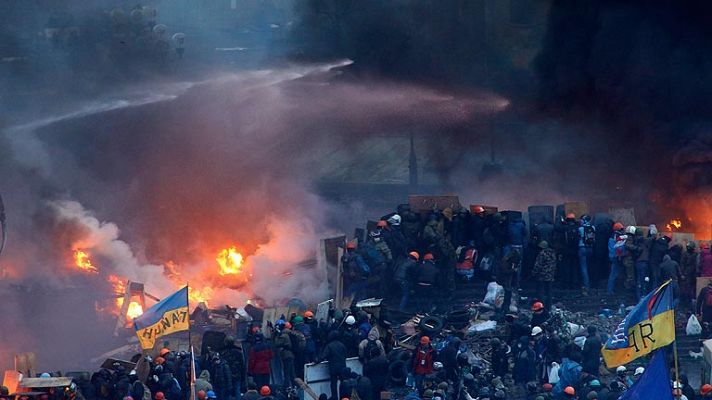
625, 216
33, 383
579, 208
306, 388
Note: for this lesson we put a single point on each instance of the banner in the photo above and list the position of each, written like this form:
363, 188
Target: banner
654, 384
168, 316
649, 326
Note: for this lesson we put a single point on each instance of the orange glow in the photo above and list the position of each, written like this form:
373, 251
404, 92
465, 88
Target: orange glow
82, 261
199, 295
119, 290
230, 261
674, 224
134, 310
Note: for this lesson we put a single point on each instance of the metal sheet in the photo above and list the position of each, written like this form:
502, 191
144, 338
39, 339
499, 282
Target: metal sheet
317, 375
60, 381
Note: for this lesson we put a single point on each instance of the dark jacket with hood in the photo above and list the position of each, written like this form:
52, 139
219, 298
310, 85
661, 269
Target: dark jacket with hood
335, 353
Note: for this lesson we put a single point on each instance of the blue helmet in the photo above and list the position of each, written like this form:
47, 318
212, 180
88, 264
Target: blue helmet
211, 395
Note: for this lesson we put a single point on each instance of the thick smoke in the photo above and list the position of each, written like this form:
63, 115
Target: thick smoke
153, 182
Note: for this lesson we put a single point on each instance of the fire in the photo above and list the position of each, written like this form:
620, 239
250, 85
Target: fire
134, 310
675, 223
119, 286
197, 296
230, 261
82, 261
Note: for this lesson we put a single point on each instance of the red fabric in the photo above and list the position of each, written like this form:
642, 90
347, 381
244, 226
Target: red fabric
469, 261
706, 263
423, 361
259, 361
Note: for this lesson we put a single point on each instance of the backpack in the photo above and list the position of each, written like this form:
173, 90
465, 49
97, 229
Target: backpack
589, 235
299, 342
571, 236
619, 247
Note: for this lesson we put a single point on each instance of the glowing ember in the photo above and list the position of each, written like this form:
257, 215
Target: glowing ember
119, 286
674, 224
82, 261
230, 261
134, 310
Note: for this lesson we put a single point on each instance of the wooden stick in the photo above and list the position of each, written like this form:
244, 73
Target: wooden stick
306, 388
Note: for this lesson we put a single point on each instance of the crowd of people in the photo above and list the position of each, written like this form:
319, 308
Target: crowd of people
419, 258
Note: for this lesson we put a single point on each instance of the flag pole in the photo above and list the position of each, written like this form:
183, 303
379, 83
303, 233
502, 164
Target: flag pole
677, 373
187, 301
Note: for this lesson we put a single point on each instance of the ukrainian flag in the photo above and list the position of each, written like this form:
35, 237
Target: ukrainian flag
649, 326
168, 316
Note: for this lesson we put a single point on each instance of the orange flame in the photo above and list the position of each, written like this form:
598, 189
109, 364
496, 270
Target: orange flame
134, 310
230, 261
197, 296
674, 224
82, 261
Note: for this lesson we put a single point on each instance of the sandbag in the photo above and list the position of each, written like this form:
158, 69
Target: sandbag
693, 326
494, 295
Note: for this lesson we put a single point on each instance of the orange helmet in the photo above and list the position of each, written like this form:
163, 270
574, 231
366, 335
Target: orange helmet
424, 340
570, 391
479, 210
201, 394
428, 257
382, 224
351, 245
570, 216
160, 360
706, 389
415, 255
265, 391
160, 396
163, 352
547, 387
287, 325
618, 226
537, 306
308, 314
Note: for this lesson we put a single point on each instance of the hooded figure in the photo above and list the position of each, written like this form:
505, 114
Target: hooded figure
367, 346
203, 382
335, 353
524, 362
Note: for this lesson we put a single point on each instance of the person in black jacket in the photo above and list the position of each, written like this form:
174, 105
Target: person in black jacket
235, 360
448, 357
221, 377
592, 352
335, 353
500, 358
376, 369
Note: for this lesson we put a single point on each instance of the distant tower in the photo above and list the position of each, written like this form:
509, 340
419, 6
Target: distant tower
413, 164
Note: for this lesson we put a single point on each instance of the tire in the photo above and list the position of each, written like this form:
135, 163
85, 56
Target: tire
431, 326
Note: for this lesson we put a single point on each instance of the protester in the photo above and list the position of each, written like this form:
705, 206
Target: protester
545, 271
423, 360
335, 353
259, 358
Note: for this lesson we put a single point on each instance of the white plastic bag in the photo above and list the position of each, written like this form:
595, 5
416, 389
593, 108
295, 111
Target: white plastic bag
693, 326
554, 373
495, 294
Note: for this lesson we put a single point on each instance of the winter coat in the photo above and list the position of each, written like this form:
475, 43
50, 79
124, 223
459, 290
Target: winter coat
545, 265
355, 267
658, 248
283, 345
517, 232
335, 353
500, 361
203, 382
405, 270
669, 269
259, 359
706, 263
396, 241
423, 360
349, 337
376, 369
524, 362
428, 273
221, 378
235, 359
371, 341
448, 356
592, 354
383, 248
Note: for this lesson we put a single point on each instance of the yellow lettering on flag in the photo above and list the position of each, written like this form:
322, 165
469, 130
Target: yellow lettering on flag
643, 338
172, 321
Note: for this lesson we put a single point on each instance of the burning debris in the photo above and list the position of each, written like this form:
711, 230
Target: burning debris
230, 261
82, 261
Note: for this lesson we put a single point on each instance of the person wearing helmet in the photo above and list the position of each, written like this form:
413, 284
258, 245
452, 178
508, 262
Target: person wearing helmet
355, 273
570, 238
689, 265
616, 249
478, 224
211, 395
159, 396
404, 274
569, 392
203, 382
670, 269
335, 353
394, 237
282, 343
259, 361
587, 239
265, 393
638, 250
376, 239
622, 377
348, 334
427, 279
539, 314
423, 359
659, 247
466, 258
706, 391
235, 359
544, 271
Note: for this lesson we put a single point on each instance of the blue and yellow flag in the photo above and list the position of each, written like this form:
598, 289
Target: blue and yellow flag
654, 384
649, 326
168, 316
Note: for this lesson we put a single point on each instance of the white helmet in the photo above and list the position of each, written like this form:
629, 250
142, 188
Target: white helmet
653, 229
437, 365
350, 320
621, 369
536, 330
630, 230
394, 220
639, 371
